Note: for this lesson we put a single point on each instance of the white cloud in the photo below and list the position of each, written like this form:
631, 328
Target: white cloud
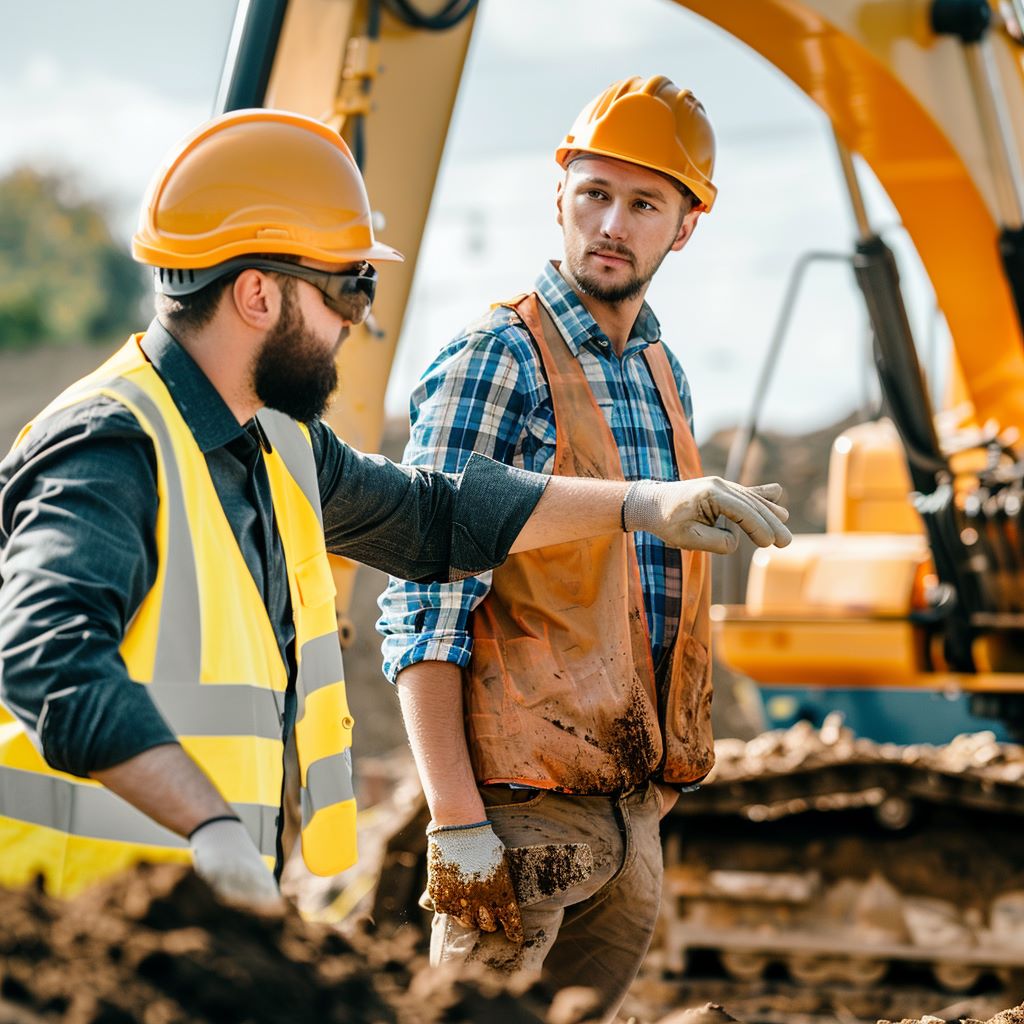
576, 32
108, 129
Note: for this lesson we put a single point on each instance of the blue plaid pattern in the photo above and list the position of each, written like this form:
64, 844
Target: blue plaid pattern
485, 393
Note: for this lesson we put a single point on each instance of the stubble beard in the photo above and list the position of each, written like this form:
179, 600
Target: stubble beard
293, 373
612, 294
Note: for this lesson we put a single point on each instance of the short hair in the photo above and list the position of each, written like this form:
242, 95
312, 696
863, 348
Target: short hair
189, 313
687, 193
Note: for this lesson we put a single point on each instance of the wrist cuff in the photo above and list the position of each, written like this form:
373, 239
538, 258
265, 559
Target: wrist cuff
210, 821
434, 829
639, 506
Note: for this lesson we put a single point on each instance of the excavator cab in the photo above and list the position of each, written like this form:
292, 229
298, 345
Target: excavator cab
852, 619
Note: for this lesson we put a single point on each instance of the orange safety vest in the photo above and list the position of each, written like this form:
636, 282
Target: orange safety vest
560, 692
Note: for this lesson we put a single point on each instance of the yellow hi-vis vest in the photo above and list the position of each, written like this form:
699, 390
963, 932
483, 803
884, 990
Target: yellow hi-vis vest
203, 643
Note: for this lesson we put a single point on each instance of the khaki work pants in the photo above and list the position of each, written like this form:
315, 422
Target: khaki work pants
597, 933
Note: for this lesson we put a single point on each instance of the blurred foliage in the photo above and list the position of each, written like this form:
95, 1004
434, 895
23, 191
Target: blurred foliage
63, 277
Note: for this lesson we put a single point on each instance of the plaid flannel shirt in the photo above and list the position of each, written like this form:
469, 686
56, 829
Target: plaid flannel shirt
485, 392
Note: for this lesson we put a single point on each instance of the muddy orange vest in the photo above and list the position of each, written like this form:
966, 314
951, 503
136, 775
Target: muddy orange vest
203, 643
560, 692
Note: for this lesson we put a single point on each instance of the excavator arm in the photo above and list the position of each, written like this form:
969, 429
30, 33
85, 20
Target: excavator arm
385, 74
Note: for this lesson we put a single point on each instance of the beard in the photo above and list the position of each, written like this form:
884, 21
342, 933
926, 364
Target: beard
293, 372
593, 285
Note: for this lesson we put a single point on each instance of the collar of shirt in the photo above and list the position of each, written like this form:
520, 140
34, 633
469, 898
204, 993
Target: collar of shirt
576, 324
212, 423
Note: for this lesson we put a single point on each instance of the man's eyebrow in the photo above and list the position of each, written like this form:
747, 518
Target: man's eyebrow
650, 193
645, 193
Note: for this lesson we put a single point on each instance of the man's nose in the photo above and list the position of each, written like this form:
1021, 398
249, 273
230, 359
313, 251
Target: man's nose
613, 224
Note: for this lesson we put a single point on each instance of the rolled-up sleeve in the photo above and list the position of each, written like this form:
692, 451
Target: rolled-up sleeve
420, 524
77, 557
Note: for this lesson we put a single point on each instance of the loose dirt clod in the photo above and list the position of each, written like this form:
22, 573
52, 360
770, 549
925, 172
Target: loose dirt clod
709, 1013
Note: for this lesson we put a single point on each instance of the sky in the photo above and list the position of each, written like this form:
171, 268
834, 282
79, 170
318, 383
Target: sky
103, 88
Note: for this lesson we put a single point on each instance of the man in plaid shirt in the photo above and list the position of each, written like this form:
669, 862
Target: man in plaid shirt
557, 706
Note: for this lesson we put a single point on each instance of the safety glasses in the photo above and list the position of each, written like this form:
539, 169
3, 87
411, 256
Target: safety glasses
348, 292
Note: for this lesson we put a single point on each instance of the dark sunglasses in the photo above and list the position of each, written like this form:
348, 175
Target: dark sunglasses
348, 292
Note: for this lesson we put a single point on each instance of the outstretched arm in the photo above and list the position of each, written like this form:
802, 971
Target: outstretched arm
701, 514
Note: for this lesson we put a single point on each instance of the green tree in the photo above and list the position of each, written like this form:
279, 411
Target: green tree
63, 277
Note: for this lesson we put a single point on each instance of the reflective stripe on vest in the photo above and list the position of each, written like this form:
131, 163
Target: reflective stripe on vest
97, 813
323, 725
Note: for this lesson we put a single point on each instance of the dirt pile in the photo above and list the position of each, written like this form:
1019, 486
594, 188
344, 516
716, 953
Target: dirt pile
973, 755
710, 1013
156, 947
1012, 1016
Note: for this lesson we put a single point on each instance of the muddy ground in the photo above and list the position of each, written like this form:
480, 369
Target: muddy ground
1012, 1016
156, 947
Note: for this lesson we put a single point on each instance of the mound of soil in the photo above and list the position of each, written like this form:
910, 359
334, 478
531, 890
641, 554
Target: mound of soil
156, 947
1012, 1016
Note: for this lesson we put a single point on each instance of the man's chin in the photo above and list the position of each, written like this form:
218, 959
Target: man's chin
605, 292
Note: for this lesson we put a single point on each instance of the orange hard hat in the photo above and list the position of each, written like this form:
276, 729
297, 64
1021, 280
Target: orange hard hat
257, 181
652, 123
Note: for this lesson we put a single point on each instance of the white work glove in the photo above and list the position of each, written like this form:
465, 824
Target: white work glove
225, 856
468, 878
683, 513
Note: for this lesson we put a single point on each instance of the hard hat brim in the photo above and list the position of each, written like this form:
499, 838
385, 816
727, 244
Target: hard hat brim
156, 256
379, 251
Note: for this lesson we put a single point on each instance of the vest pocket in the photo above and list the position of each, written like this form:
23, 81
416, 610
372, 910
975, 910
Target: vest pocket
315, 581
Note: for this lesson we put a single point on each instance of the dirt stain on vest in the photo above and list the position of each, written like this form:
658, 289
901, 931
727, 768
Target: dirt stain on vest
631, 751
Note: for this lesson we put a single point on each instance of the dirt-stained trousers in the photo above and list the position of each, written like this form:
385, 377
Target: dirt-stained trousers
597, 932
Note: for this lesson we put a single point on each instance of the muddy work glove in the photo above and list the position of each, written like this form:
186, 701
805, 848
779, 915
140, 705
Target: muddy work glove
684, 513
468, 878
226, 858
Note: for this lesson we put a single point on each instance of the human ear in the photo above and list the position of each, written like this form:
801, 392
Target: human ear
687, 226
257, 299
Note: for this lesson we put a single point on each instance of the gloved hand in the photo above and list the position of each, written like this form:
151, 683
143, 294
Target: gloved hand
225, 856
683, 513
468, 878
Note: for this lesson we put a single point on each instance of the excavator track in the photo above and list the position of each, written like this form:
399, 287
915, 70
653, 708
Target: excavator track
817, 860
820, 877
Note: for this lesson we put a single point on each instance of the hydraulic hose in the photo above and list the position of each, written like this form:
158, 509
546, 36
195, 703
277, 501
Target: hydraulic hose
447, 17
250, 56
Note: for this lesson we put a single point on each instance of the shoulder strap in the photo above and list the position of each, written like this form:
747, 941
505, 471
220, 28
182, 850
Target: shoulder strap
685, 448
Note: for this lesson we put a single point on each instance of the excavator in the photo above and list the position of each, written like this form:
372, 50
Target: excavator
873, 833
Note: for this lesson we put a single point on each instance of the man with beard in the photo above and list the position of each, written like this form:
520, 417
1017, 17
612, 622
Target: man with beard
170, 661
557, 707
